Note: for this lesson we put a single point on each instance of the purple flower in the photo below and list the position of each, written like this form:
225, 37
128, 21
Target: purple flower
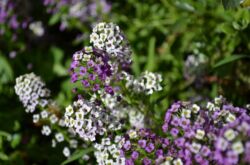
85, 83
109, 90
74, 64
167, 116
205, 151
232, 157
134, 155
165, 142
218, 157
74, 77
159, 153
83, 71
142, 143
174, 132
92, 77
150, 147
179, 142
198, 158
96, 87
91, 64
175, 121
127, 145
146, 161
165, 127
184, 123
129, 162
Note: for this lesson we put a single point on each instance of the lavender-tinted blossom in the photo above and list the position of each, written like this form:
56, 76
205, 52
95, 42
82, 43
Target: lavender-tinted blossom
31, 91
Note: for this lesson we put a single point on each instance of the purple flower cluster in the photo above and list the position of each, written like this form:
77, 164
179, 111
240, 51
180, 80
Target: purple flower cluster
216, 134
91, 67
143, 147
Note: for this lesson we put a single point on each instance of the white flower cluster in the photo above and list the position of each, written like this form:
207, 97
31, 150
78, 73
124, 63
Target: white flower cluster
31, 91
147, 83
108, 152
108, 37
89, 120
136, 118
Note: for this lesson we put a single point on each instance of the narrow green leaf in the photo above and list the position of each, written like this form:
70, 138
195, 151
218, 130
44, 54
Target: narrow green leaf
76, 155
151, 55
229, 60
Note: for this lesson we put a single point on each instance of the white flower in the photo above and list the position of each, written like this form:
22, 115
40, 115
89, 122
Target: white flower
210, 106
237, 147
186, 113
31, 91
69, 110
36, 118
77, 56
200, 134
37, 28
195, 108
53, 119
195, 147
66, 152
230, 134
230, 118
178, 162
44, 114
132, 134
222, 144
46, 130
59, 137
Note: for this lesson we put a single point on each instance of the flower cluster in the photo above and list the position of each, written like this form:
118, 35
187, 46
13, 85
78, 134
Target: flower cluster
89, 120
91, 67
147, 83
108, 37
76, 9
194, 135
143, 147
31, 91
108, 151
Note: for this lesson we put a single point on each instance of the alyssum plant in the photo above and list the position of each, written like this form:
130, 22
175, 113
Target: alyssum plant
110, 119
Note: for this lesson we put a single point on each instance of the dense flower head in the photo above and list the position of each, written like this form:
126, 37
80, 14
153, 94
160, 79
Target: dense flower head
89, 120
108, 151
147, 82
93, 69
108, 37
145, 147
31, 91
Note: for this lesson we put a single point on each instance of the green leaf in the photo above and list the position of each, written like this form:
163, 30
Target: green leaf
6, 71
58, 68
54, 19
3, 156
16, 139
76, 155
229, 4
229, 60
151, 55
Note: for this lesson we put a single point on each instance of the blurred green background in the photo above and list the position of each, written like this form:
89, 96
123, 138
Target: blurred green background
201, 49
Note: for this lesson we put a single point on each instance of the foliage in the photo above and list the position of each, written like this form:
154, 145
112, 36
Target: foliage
163, 36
